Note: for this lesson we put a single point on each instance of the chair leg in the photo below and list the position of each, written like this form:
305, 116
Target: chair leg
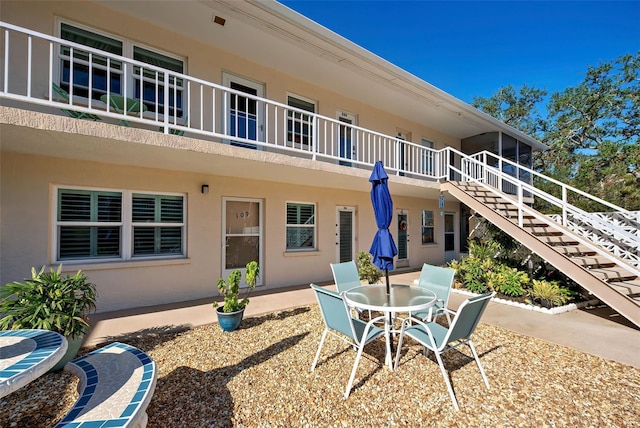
446, 379
399, 347
353, 371
475, 356
315, 360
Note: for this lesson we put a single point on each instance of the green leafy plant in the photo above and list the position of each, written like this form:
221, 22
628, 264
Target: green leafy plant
366, 269
231, 291
549, 291
508, 281
49, 301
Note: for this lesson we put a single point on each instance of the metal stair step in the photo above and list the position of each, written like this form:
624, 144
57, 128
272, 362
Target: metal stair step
574, 250
594, 261
542, 230
629, 288
555, 240
613, 274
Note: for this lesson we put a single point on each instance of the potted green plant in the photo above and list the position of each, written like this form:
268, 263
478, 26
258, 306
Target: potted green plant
50, 301
231, 312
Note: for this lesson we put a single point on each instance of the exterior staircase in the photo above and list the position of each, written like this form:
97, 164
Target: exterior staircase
610, 278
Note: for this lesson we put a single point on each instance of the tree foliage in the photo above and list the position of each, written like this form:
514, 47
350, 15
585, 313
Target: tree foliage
592, 130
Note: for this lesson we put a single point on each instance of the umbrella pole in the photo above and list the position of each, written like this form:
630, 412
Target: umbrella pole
386, 272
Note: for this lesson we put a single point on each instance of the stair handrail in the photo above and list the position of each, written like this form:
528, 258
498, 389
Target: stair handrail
523, 208
567, 208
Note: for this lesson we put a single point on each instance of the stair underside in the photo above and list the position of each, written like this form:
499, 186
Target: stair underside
614, 285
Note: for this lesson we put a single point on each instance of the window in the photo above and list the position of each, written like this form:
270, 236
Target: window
95, 75
300, 125
95, 224
157, 224
428, 226
427, 157
301, 226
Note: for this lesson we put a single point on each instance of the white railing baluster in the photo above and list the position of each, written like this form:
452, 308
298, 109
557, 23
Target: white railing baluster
5, 79
50, 82
29, 62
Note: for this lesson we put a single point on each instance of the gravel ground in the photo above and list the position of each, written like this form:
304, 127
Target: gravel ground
258, 376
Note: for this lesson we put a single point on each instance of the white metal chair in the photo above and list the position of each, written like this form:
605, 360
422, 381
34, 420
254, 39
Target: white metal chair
339, 322
440, 339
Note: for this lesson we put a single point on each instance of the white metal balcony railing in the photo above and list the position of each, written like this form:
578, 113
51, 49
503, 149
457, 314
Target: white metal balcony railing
32, 62
94, 78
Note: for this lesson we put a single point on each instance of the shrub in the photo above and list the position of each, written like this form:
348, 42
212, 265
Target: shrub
549, 291
508, 281
366, 269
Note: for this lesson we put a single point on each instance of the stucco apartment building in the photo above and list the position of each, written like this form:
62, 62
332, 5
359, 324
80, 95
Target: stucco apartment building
251, 133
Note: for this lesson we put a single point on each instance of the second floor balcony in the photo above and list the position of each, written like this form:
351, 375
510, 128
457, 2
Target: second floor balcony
83, 75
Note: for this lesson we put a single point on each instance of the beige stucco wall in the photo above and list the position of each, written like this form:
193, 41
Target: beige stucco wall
28, 188
27, 182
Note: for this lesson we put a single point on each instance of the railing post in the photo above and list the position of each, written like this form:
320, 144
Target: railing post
564, 206
166, 100
315, 137
520, 205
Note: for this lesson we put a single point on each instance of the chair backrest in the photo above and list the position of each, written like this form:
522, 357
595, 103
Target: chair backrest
437, 279
334, 311
467, 318
345, 275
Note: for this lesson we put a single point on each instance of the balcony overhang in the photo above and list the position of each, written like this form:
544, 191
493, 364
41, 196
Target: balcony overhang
34, 133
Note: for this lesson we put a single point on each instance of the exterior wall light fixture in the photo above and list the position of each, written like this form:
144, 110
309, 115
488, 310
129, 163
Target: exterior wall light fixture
204, 189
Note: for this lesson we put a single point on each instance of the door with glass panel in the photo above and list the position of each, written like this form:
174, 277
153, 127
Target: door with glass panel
242, 235
449, 237
244, 116
403, 237
346, 137
345, 235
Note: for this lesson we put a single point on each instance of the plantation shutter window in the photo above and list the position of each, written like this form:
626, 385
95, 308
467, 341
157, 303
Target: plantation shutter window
301, 227
158, 223
118, 225
89, 224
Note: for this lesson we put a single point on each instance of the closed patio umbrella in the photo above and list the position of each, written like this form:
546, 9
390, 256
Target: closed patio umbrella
383, 248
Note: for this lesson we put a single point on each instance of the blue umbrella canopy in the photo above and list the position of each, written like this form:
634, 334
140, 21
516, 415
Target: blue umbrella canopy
383, 248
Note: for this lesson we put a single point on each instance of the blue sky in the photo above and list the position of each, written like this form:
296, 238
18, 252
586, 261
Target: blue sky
472, 48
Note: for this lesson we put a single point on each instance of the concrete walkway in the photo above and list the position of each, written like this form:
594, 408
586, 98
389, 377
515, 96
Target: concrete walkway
597, 331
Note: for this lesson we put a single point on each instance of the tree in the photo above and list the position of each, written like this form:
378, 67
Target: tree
592, 130
515, 107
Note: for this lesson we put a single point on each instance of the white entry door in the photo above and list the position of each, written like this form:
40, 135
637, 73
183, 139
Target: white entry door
345, 235
242, 235
244, 116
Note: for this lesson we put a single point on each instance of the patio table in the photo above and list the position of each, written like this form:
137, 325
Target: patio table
402, 298
26, 355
